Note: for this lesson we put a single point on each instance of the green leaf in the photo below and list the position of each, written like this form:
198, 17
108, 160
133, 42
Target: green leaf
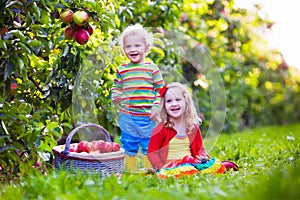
18, 34
9, 68
34, 43
66, 50
14, 4
36, 11
20, 64
3, 45
24, 47
45, 19
8, 147
158, 51
51, 126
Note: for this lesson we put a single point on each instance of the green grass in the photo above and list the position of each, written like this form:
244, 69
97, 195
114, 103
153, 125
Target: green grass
269, 168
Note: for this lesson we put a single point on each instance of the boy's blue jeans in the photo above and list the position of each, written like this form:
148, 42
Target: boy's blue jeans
135, 131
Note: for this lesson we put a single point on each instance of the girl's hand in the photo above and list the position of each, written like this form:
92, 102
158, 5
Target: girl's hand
202, 158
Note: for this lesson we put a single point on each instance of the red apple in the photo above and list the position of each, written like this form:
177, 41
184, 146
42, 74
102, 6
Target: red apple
97, 145
81, 36
13, 86
115, 147
75, 26
66, 16
89, 147
94, 146
74, 148
107, 147
89, 29
69, 33
101, 145
80, 17
82, 146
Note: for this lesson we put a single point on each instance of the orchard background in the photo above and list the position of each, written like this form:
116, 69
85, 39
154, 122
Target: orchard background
40, 67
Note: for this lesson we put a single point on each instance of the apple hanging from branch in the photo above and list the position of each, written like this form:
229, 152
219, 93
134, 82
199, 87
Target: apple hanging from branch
80, 17
82, 36
79, 29
66, 16
69, 33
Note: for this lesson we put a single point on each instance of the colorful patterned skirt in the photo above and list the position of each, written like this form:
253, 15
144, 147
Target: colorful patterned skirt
178, 168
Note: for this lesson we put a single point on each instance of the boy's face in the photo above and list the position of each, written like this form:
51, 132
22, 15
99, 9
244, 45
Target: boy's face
135, 48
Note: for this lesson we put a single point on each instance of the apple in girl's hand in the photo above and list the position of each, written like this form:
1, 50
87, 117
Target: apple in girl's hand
115, 147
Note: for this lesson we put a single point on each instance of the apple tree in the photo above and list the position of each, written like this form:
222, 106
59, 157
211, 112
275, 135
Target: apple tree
38, 68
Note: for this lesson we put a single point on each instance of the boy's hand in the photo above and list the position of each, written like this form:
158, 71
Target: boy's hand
153, 114
116, 100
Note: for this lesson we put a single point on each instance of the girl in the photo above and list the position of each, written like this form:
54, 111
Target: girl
177, 136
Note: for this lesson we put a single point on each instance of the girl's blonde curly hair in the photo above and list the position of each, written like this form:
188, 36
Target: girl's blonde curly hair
190, 117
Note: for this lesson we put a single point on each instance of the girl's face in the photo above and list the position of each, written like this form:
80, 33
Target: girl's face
135, 48
175, 103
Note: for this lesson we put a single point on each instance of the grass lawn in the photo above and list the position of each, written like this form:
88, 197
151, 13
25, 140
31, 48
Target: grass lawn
269, 168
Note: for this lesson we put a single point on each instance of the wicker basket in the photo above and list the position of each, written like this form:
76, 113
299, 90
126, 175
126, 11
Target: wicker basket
103, 163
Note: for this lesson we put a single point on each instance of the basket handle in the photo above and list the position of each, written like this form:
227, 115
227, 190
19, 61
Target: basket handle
66, 151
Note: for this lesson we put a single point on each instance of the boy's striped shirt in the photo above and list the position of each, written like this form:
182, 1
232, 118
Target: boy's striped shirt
138, 85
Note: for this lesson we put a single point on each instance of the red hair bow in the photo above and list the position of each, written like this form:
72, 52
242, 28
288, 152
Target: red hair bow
163, 90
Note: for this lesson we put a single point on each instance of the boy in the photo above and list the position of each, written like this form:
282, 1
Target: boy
136, 88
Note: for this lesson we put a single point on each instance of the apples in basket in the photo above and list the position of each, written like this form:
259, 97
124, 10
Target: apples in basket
104, 157
98, 146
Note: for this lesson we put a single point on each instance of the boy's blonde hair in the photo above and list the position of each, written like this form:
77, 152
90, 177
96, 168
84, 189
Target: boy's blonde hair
190, 117
136, 29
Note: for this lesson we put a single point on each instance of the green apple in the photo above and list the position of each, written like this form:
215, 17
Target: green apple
80, 18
